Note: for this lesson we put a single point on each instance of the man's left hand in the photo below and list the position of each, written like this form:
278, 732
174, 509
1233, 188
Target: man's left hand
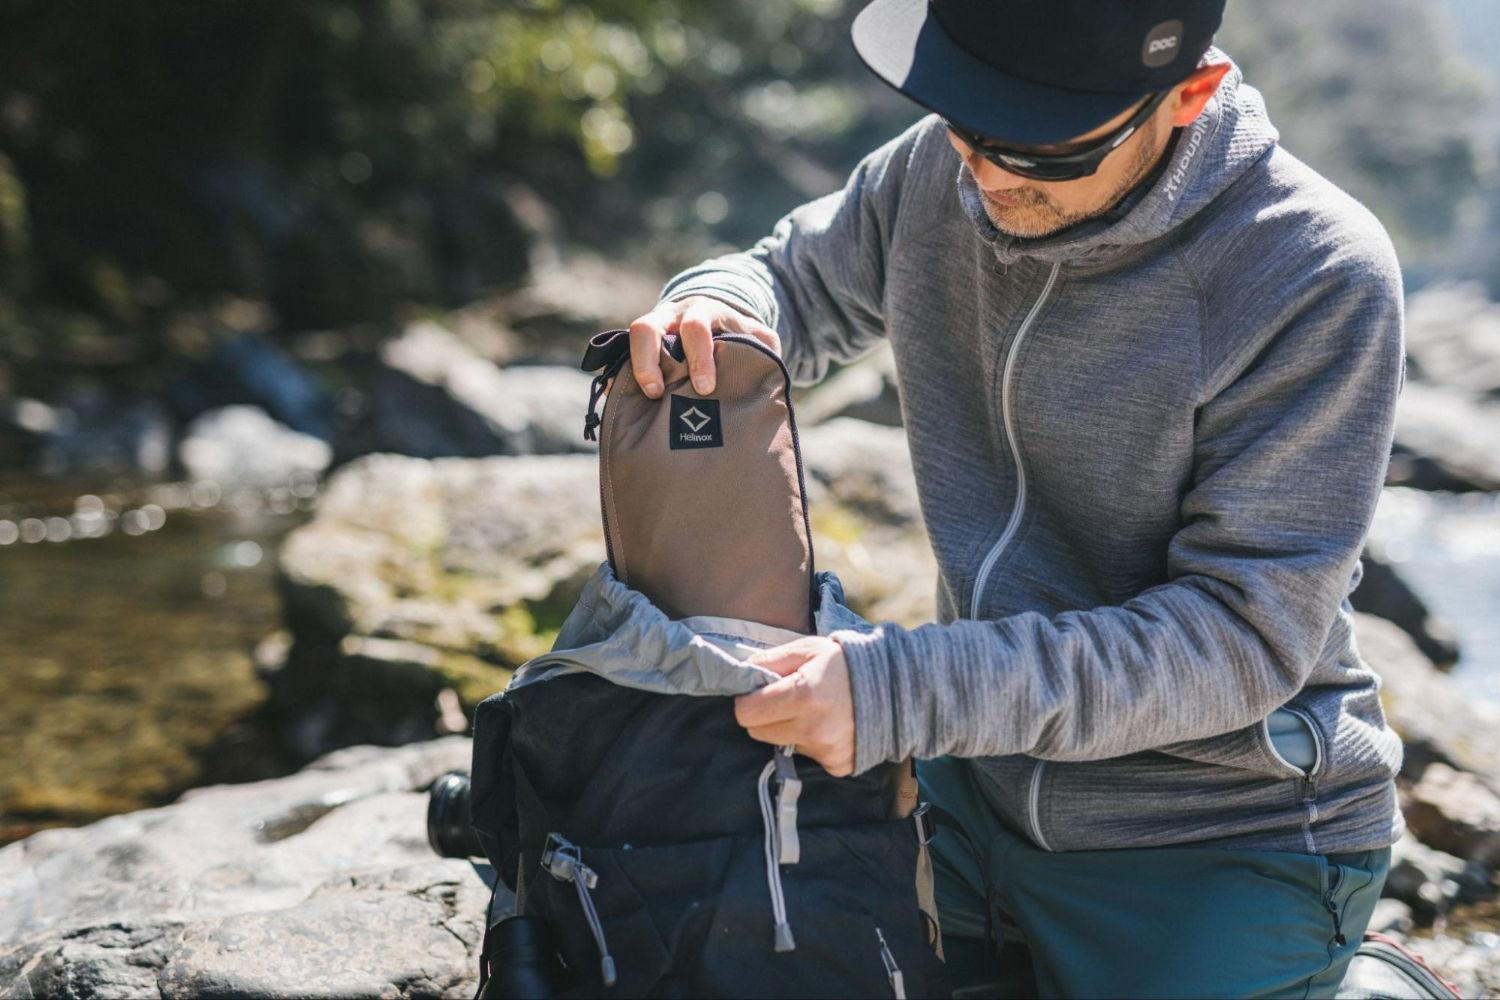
811, 707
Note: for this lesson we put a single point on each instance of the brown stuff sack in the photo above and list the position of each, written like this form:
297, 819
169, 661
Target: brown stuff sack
703, 497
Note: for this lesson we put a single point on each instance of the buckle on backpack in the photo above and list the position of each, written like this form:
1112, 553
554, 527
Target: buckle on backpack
925, 823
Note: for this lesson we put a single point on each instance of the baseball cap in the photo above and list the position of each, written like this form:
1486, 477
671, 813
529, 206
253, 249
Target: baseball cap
1033, 72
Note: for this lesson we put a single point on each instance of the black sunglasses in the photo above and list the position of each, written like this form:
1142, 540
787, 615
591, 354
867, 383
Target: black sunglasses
1056, 166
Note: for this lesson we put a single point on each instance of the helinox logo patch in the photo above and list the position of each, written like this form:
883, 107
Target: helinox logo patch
1161, 44
694, 423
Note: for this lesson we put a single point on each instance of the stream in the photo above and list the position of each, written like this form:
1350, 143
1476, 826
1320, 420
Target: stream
130, 614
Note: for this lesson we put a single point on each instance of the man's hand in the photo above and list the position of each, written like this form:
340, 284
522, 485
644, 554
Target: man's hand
694, 319
811, 707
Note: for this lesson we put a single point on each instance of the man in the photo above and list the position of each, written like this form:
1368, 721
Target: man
1148, 365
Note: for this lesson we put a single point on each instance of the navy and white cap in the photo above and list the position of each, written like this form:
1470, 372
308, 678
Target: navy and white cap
1034, 71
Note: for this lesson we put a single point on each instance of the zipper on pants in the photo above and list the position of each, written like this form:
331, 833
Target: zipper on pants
1019, 507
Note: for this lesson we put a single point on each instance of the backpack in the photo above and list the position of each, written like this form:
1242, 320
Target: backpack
660, 849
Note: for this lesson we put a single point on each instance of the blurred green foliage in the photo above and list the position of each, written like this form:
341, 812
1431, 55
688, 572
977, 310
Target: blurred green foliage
342, 159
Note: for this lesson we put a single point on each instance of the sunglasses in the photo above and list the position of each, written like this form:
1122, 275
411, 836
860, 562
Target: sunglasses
1056, 166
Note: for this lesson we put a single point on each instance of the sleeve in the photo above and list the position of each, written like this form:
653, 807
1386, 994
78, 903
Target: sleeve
1289, 459
818, 279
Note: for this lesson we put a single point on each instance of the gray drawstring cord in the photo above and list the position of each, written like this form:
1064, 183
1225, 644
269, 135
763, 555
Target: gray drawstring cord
782, 845
564, 863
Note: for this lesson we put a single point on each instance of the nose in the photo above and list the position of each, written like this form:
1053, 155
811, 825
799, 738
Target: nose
992, 178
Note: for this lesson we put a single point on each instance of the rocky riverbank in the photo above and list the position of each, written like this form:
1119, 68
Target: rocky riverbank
319, 884
424, 578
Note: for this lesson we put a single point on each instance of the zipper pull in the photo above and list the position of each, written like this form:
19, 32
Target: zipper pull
892, 971
1333, 908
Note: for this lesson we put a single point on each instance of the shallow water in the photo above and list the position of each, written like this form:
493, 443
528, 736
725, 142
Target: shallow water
1447, 548
126, 651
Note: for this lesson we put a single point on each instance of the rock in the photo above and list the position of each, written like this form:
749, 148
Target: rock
1470, 961
247, 369
865, 390
1436, 721
566, 301
88, 431
318, 884
1391, 915
867, 521
1455, 812
419, 576
1448, 438
1383, 593
242, 444
435, 397
1453, 338
1432, 882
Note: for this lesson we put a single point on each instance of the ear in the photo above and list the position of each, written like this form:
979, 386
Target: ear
1193, 93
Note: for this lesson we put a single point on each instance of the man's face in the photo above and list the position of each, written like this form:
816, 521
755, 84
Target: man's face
1019, 206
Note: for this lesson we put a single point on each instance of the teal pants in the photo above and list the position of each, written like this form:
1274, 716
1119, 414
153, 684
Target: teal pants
1157, 922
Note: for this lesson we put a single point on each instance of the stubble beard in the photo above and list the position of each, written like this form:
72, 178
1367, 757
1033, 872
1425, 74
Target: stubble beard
1043, 216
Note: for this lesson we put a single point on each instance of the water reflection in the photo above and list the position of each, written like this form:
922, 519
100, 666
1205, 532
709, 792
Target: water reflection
1447, 547
129, 617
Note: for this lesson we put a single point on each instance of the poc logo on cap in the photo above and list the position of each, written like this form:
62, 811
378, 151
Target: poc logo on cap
1161, 44
694, 423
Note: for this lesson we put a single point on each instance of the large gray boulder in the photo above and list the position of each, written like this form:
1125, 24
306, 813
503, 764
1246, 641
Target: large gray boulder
318, 884
867, 521
1436, 721
433, 395
243, 444
418, 577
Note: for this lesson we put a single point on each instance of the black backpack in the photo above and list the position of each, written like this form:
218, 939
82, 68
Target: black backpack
654, 848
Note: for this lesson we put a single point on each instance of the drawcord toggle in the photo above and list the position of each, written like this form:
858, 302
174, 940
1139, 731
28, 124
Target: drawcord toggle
596, 390
561, 859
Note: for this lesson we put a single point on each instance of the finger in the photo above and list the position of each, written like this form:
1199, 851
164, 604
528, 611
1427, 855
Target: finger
697, 333
776, 702
645, 346
786, 658
780, 734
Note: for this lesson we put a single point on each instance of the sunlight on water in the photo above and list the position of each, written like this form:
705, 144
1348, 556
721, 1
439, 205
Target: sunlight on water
1447, 547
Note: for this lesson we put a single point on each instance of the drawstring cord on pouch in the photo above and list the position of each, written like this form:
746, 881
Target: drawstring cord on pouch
782, 844
561, 859
596, 389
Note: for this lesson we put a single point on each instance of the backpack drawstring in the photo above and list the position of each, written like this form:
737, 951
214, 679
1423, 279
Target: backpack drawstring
564, 863
782, 845
596, 389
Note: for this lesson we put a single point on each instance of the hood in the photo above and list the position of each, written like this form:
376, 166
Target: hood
616, 632
1231, 134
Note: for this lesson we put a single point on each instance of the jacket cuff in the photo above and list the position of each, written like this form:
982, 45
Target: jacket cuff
874, 701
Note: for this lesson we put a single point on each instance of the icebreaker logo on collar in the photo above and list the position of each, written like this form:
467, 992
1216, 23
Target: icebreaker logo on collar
694, 423
1177, 177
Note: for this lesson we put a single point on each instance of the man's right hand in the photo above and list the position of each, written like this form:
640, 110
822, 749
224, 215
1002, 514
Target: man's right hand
695, 319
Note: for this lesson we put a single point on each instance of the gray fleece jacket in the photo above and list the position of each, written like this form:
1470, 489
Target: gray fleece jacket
1148, 450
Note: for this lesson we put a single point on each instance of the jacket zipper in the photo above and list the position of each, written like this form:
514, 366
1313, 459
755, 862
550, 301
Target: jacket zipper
1015, 451
1017, 509
1309, 780
1035, 806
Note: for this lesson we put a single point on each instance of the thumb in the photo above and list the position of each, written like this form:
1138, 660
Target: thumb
787, 658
